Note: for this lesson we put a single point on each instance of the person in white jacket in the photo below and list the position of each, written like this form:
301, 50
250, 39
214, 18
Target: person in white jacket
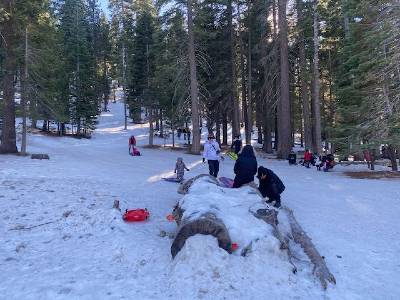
211, 153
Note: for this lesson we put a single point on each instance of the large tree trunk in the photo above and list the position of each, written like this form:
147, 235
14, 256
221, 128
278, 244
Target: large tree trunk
8, 136
224, 130
284, 117
392, 155
249, 82
303, 78
193, 82
234, 100
316, 105
244, 98
24, 95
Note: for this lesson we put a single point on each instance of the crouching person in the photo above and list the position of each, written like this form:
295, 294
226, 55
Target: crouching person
270, 186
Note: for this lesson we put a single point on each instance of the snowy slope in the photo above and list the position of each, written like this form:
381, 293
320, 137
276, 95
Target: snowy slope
81, 249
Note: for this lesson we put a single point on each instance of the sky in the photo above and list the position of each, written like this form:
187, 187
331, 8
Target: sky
104, 4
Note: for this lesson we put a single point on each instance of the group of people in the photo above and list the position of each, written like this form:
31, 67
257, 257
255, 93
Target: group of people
185, 131
323, 162
246, 167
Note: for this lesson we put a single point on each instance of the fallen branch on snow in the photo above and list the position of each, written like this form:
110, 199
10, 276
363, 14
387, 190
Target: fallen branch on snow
321, 271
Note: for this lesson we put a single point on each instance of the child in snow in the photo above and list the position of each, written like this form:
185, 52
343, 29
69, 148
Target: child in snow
180, 168
318, 163
237, 144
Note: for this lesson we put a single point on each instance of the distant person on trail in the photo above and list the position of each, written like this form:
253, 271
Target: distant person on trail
180, 168
237, 144
211, 153
245, 167
271, 186
307, 158
132, 144
292, 158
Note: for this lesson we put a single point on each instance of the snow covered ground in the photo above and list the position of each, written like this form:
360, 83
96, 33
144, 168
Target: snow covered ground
61, 239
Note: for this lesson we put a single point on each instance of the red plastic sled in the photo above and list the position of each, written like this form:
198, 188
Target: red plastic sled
136, 215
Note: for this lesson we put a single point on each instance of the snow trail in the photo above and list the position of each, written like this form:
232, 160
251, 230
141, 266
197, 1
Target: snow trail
88, 252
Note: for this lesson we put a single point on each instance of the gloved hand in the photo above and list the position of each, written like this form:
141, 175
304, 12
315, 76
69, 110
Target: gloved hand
204, 160
187, 170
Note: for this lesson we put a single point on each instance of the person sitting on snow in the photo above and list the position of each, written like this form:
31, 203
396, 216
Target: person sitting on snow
211, 153
329, 163
180, 168
292, 158
237, 144
271, 186
245, 167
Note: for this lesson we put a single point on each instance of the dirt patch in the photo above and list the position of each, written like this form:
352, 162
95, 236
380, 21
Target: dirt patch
373, 174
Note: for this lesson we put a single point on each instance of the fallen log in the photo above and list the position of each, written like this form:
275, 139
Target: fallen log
40, 156
184, 188
320, 270
207, 224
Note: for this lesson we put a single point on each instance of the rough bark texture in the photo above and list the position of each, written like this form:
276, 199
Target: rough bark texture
316, 105
244, 95
234, 100
8, 137
321, 271
193, 82
249, 82
303, 79
284, 126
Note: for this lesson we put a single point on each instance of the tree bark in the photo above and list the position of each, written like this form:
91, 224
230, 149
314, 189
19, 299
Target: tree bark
392, 155
195, 149
284, 117
316, 105
244, 98
8, 136
234, 100
24, 95
249, 83
303, 78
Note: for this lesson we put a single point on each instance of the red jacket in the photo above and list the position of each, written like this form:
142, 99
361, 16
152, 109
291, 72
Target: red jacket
307, 156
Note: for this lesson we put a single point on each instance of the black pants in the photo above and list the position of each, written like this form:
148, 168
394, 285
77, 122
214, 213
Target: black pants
213, 166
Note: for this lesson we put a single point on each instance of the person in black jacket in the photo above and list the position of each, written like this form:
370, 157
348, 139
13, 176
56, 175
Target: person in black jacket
237, 144
271, 186
245, 167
